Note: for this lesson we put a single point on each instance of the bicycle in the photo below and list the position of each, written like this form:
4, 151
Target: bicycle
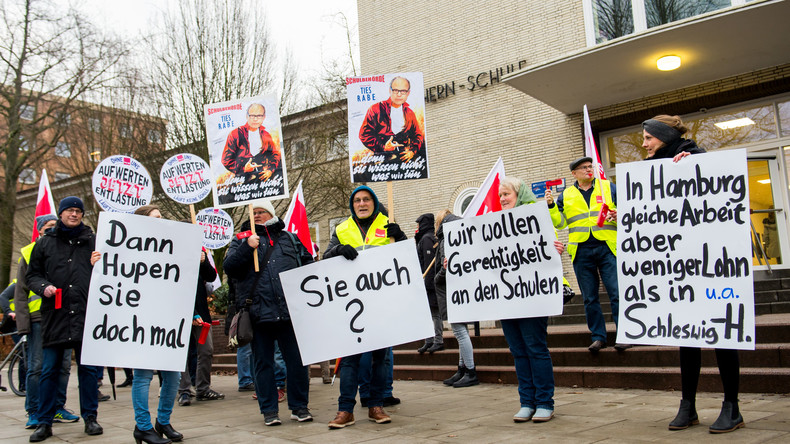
18, 364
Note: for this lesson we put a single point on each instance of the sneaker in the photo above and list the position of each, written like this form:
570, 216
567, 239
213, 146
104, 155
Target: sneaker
342, 419
32, 422
184, 399
63, 415
524, 415
247, 388
272, 419
302, 415
543, 414
280, 395
103, 397
210, 395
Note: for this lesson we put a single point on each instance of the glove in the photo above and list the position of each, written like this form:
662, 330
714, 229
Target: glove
394, 231
348, 252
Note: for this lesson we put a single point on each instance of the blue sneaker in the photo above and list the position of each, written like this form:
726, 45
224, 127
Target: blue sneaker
64, 415
32, 422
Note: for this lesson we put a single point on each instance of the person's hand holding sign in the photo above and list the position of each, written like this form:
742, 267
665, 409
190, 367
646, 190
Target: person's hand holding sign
253, 241
95, 256
549, 197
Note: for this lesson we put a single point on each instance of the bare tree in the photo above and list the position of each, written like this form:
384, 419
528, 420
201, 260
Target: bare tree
50, 62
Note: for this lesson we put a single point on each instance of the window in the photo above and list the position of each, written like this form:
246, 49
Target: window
62, 149
27, 112
125, 131
94, 125
609, 19
24, 145
315, 234
95, 155
338, 147
61, 176
154, 136
27, 176
301, 152
63, 118
463, 200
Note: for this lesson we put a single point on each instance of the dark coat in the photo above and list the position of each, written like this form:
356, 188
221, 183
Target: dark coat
426, 251
441, 273
64, 262
675, 148
268, 298
206, 273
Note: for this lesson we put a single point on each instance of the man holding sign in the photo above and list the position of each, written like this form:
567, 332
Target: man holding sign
367, 227
60, 271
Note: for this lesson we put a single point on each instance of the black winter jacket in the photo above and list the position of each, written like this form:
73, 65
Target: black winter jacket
65, 263
206, 273
426, 251
675, 148
268, 299
441, 273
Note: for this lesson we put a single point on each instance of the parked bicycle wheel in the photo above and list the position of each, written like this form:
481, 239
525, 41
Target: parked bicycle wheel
17, 372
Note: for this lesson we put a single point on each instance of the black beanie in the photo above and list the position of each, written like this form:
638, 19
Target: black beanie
70, 202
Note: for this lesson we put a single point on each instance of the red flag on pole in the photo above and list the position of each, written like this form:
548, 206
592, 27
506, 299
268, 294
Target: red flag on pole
296, 219
486, 200
590, 150
44, 203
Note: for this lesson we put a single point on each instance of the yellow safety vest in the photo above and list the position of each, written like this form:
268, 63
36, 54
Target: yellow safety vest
582, 220
33, 300
348, 233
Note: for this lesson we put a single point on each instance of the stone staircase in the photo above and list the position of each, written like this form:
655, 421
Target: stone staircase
764, 370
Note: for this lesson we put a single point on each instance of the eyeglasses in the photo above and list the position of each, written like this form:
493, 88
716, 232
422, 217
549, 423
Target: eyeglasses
362, 200
400, 92
257, 116
584, 167
73, 210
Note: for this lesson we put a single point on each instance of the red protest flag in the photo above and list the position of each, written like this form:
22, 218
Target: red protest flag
296, 219
590, 150
44, 203
486, 200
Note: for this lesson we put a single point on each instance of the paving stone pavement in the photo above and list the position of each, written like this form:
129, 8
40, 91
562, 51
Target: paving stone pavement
429, 413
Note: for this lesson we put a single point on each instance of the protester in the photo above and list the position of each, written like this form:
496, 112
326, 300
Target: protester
663, 140
528, 337
466, 376
141, 382
262, 293
366, 227
426, 252
60, 270
593, 249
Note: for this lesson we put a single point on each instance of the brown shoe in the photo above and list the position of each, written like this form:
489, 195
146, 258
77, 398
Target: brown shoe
596, 346
378, 415
341, 420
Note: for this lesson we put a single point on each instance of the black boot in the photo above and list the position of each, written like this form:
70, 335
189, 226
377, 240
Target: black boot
125, 383
168, 430
43, 431
687, 416
424, 347
458, 375
148, 436
469, 379
92, 427
729, 419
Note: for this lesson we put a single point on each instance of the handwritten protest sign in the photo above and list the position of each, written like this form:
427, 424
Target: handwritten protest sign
121, 184
386, 127
185, 178
684, 254
142, 293
245, 150
503, 265
217, 227
377, 300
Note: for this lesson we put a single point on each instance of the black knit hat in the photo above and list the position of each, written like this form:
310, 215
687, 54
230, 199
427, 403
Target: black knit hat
70, 202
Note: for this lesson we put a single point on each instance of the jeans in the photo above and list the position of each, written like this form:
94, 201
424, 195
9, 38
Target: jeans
280, 371
534, 370
263, 337
244, 365
587, 263
205, 353
50, 369
33, 378
167, 397
364, 373
349, 380
466, 354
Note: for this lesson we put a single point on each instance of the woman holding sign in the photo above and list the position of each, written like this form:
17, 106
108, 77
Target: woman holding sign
144, 431
528, 337
662, 140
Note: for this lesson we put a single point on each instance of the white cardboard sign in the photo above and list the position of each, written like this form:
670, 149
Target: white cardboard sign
684, 253
503, 265
217, 227
121, 184
340, 307
142, 293
185, 178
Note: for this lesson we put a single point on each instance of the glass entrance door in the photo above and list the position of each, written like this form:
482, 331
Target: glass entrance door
769, 214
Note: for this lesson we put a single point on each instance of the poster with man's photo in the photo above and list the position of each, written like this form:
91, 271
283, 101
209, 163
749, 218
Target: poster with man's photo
246, 150
386, 127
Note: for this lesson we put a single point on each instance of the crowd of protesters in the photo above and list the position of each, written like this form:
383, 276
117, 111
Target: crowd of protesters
58, 266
